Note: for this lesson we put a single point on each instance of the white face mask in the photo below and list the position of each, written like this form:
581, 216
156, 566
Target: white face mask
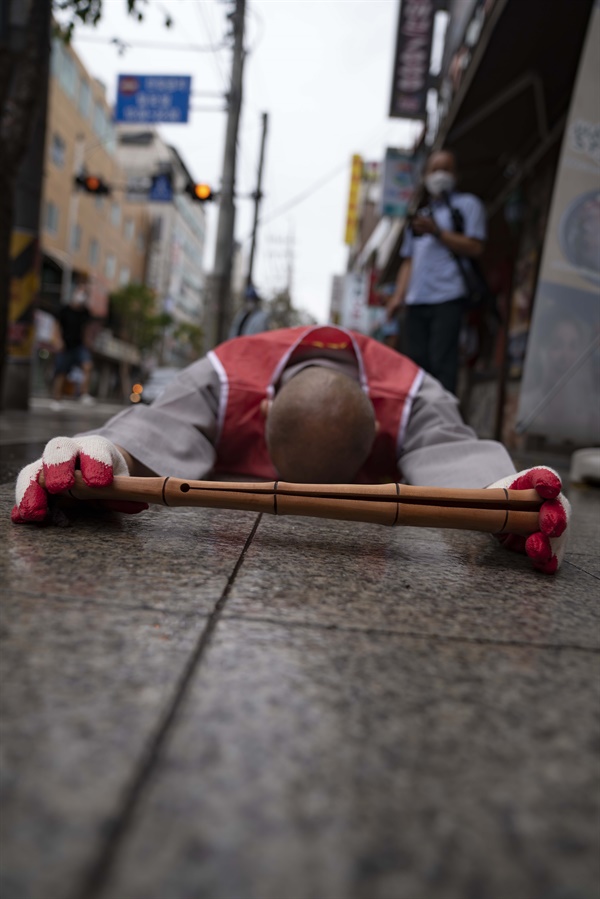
441, 182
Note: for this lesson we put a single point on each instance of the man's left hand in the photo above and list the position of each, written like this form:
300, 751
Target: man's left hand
545, 548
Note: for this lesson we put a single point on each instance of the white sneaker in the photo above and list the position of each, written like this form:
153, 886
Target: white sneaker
86, 400
56, 405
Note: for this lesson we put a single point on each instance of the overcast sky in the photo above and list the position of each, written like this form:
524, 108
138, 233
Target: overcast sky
321, 69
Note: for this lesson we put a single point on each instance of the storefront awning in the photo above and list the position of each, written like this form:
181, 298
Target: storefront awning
513, 98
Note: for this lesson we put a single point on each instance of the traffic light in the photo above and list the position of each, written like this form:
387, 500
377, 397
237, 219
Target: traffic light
92, 184
201, 193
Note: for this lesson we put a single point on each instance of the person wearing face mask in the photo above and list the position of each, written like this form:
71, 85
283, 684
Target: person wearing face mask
430, 283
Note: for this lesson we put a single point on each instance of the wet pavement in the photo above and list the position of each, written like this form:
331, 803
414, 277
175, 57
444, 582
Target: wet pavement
202, 703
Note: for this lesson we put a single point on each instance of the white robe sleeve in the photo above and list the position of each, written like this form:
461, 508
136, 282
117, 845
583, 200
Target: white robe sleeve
174, 436
440, 450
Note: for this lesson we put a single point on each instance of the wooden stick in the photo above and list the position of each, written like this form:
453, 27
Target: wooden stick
494, 510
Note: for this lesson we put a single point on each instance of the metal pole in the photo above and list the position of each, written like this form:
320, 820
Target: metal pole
258, 194
226, 221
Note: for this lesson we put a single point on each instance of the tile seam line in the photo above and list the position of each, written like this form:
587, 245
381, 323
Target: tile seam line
412, 635
79, 603
95, 878
582, 570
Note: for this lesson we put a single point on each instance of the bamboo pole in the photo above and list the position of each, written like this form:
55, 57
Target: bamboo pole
494, 510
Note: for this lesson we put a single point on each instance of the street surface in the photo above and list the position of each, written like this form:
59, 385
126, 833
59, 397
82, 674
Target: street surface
202, 704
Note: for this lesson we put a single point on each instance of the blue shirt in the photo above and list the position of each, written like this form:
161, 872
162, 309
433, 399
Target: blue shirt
435, 276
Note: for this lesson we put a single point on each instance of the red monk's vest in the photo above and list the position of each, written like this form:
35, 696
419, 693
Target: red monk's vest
250, 367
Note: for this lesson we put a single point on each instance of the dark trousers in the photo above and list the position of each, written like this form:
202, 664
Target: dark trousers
431, 334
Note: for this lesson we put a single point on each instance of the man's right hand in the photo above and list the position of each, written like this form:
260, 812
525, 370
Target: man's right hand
392, 306
97, 459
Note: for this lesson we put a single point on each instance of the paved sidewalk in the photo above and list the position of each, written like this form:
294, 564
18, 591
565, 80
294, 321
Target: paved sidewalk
204, 704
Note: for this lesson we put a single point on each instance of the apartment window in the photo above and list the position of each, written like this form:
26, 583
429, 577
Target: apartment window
124, 276
110, 266
129, 229
99, 120
58, 150
110, 138
75, 238
51, 217
67, 75
94, 254
85, 99
56, 54
99, 203
141, 242
115, 214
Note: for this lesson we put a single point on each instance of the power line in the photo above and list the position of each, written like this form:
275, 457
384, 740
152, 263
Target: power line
123, 45
300, 198
207, 27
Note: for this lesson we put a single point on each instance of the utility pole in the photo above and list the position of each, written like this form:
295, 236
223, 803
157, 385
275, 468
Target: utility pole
226, 221
258, 194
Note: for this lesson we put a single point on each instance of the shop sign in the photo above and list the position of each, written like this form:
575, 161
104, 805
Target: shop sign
355, 309
353, 197
410, 74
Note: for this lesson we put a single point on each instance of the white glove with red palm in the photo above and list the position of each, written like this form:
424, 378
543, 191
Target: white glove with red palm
96, 457
545, 548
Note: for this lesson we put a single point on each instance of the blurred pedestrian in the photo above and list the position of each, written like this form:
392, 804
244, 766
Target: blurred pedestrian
73, 321
251, 319
446, 232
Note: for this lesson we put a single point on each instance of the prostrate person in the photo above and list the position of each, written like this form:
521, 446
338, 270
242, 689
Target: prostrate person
73, 320
430, 281
307, 405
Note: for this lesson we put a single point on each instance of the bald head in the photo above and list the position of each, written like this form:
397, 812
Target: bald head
320, 428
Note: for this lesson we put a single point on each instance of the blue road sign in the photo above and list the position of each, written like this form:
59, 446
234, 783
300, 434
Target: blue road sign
161, 190
144, 99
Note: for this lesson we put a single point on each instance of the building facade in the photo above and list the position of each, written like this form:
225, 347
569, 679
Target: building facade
96, 242
157, 178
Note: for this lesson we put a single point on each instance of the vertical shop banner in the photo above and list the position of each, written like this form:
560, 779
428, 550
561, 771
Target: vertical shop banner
398, 183
353, 196
24, 289
337, 299
355, 309
410, 74
560, 393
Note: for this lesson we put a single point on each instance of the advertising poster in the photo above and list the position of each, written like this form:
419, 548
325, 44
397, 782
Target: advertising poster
560, 392
398, 183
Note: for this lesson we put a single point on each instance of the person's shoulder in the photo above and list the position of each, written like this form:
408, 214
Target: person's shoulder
465, 197
467, 200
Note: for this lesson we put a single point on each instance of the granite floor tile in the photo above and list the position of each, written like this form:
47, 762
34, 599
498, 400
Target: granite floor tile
308, 763
449, 583
585, 522
162, 558
83, 690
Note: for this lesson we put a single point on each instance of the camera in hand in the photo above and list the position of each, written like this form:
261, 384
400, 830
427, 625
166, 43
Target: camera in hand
422, 212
